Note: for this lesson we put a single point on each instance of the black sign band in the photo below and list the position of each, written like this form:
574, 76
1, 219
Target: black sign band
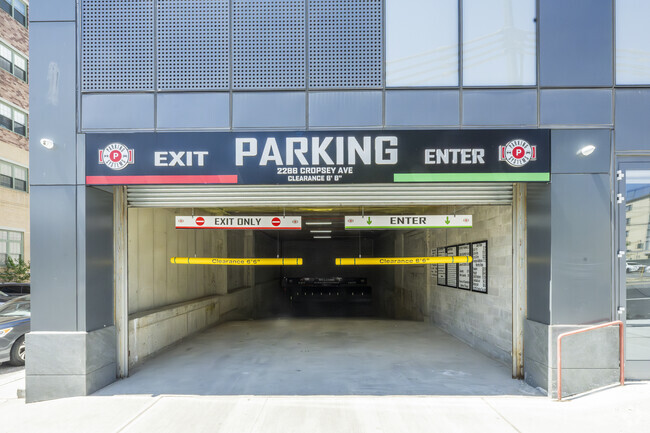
318, 157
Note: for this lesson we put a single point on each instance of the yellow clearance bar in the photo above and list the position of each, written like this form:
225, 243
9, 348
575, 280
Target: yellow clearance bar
235, 261
401, 260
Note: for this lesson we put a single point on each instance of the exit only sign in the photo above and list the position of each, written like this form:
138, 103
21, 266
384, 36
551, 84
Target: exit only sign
239, 222
375, 222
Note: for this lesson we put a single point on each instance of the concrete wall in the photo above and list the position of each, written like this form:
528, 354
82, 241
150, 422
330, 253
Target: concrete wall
168, 302
484, 321
410, 298
267, 294
154, 282
153, 330
382, 278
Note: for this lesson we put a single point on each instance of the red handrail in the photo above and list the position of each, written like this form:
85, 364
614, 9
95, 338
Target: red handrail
580, 331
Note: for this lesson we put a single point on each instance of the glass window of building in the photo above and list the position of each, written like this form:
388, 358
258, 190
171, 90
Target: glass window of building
6, 57
499, 43
13, 176
5, 5
632, 47
20, 67
5, 117
20, 12
13, 62
11, 245
13, 119
15, 8
421, 43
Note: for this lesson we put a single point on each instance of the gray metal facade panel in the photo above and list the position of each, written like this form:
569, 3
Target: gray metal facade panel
53, 103
193, 44
422, 108
576, 39
538, 232
576, 107
516, 107
345, 109
632, 131
99, 259
268, 44
53, 258
49, 10
269, 110
565, 145
581, 252
193, 110
117, 111
345, 43
117, 45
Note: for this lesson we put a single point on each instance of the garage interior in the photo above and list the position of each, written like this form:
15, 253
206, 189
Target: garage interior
197, 329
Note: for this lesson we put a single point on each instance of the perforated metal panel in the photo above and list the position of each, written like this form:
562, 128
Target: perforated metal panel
193, 44
345, 43
318, 195
117, 45
268, 44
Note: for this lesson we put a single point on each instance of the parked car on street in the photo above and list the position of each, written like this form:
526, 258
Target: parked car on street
632, 267
15, 289
15, 322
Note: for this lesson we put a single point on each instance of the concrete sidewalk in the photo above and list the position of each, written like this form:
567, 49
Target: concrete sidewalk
618, 409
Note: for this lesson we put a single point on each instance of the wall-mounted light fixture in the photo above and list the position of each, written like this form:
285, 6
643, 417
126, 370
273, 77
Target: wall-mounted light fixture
47, 143
587, 150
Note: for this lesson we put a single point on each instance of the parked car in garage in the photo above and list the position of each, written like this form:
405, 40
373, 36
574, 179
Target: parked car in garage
15, 322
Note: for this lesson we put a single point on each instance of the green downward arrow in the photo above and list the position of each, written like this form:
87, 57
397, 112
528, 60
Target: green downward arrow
369, 221
447, 221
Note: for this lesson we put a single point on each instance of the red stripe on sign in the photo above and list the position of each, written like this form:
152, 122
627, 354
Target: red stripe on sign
240, 228
148, 180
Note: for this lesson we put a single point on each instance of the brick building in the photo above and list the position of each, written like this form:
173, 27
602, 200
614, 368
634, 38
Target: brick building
14, 145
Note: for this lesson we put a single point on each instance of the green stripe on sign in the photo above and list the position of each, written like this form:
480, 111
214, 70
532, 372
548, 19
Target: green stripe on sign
471, 177
404, 227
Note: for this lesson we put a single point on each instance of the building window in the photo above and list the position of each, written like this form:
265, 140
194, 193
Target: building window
13, 176
15, 8
632, 35
13, 62
13, 119
499, 43
11, 245
421, 43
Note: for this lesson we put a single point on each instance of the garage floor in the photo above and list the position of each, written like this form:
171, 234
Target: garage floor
321, 357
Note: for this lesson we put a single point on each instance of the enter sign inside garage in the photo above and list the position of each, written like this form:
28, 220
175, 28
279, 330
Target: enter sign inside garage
374, 222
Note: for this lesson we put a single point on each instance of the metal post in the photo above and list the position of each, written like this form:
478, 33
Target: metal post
519, 260
120, 278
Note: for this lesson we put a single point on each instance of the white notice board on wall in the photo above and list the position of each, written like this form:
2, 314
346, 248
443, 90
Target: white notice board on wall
480, 267
452, 268
442, 268
465, 269
434, 268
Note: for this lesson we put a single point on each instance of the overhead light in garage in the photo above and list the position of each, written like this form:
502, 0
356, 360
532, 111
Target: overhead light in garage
320, 231
322, 237
318, 223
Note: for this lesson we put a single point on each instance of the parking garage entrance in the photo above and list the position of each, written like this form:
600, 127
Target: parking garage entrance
335, 237
320, 326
